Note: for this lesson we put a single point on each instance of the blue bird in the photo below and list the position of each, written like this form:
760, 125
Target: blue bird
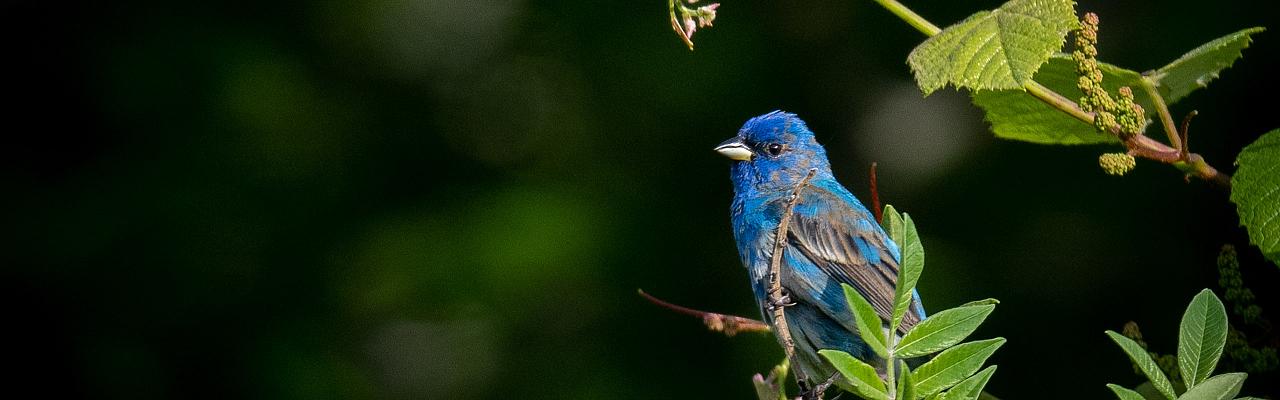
832, 239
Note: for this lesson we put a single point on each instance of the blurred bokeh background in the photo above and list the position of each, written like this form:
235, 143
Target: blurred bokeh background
450, 199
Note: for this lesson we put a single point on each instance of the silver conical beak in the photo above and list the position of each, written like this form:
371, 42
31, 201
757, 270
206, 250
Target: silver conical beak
735, 149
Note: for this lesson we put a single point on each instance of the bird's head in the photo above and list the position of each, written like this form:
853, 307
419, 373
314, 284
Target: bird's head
773, 151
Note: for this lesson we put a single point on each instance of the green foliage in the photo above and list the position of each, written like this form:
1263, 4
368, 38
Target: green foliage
998, 49
907, 389
1201, 65
893, 225
1123, 393
868, 322
971, 387
859, 375
952, 373
1014, 115
909, 270
1221, 387
1256, 180
1242, 355
954, 365
1139, 356
942, 330
1201, 337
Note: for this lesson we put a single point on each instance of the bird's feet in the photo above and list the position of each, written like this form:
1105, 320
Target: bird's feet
782, 299
815, 393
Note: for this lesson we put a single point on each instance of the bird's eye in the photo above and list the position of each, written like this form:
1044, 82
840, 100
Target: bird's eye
775, 149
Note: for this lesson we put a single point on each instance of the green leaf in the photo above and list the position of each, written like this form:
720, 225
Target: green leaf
1221, 387
982, 302
1125, 394
861, 377
1201, 337
954, 365
870, 327
1015, 115
998, 49
1144, 363
1201, 65
971, 388
906, 382
1254, 189
910, 268
892, 224
942, 330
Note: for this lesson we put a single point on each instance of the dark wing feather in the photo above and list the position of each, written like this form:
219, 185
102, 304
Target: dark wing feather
825, 229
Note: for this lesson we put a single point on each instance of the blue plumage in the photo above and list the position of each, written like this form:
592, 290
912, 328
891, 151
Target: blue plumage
832, 239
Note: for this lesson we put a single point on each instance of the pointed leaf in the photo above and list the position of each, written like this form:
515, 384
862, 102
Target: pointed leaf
1221, 387
1015, 115
910, 268
1202, 335
892, 224
1254, 189
982, 302
942, 330
971, 387
862, 378
870, 327
1125, 394
906, 382
954, 365
998, 49
1144, 362
1201, 65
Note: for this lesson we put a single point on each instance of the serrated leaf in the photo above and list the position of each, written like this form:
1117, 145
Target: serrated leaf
1144, 362
1202, 335
1221, 387
870, 327
971, 387
1255, 188
859, 376
909, 270
997, 49
942, 330
1201, 65
906, 383
1015, 115
954, 365
1125, 394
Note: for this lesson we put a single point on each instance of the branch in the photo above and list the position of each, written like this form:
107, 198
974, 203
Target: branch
1138, 145
875, 196
729, 325
775, 278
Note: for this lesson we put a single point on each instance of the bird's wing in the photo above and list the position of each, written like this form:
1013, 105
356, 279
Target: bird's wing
844, 242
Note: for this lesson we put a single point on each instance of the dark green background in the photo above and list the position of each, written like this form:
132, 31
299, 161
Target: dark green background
458, 199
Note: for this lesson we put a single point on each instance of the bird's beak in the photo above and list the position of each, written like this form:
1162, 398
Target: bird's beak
735, 149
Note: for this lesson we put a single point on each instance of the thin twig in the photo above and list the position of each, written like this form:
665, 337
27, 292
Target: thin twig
775, 275
728, 324
1186, 127
1139, 145
1166, 119
875, 196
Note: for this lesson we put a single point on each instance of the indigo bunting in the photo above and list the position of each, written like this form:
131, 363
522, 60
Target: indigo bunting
832, 239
